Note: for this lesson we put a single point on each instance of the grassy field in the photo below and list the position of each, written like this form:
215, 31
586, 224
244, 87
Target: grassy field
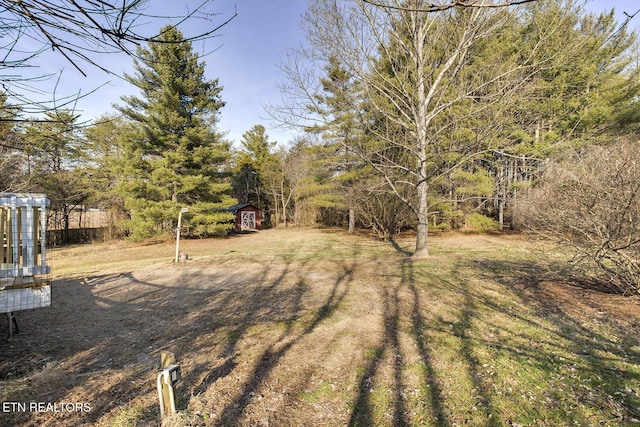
319, 328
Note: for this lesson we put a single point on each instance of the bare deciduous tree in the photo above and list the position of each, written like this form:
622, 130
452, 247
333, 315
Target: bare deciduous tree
426, 76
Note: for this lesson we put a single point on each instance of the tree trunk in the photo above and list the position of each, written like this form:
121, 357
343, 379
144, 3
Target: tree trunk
284, 205
422, 250
276, 204
352, 221
422, 123
65, 224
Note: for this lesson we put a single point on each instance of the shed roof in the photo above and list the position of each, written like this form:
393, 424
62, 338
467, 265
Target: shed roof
236, 208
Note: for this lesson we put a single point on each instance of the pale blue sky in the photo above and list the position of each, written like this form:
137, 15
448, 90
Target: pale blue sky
246, 60
244, 56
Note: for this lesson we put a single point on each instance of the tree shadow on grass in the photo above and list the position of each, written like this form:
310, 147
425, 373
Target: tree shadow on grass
536, 330
70, 346
278, 348
419, 326
425, 325
463, 329
363, 408
114, 326
235, 331
402, 309
589, 349
279, 296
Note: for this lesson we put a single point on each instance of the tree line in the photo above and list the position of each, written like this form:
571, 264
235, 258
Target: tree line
440, 105
407, 120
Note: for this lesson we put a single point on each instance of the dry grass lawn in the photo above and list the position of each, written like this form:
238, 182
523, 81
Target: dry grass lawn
319, 328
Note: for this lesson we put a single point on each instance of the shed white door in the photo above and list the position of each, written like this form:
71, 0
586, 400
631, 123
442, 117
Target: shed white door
248, 220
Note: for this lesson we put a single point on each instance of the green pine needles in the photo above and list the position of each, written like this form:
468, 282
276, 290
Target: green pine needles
174, 156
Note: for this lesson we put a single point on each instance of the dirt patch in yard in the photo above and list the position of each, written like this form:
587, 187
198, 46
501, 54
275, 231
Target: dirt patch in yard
280, 327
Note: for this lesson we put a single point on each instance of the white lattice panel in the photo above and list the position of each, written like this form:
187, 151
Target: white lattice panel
24, 273
25, 298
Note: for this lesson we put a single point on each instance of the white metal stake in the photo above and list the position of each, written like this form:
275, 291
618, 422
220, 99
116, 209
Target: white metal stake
183, 210
159, 386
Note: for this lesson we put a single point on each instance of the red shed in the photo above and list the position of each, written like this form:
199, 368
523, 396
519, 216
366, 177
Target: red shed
248, 217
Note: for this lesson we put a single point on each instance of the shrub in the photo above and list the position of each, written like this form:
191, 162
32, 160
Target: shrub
590, 204
481, 223
385, 214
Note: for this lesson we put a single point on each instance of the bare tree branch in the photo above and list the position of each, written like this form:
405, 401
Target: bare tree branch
80, 31
79, 28
431, 7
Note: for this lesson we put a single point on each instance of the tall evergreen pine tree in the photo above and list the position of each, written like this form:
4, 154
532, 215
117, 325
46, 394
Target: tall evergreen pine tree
175, 158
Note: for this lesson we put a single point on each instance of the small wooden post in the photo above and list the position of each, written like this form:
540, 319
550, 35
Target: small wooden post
166, 359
